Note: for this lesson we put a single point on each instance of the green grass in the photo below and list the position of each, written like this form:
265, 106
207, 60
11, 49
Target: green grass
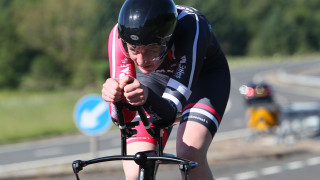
30, 115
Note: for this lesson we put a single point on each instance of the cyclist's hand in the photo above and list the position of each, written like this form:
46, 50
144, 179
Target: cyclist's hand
111, 90
135, 92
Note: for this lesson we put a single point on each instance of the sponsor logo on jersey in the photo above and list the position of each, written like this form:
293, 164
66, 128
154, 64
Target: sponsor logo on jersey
183, 60
180, 71
125, 60
164, 71
134, 37
181, 67
125, 68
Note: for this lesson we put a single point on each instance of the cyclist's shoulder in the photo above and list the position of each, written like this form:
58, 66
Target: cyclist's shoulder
189, 20
115, 45
184, 9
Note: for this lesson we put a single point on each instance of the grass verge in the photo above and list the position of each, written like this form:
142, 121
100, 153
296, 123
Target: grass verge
30, 115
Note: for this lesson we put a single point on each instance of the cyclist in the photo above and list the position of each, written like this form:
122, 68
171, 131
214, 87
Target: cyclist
180, 68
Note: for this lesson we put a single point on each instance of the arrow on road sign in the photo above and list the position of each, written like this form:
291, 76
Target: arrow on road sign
92, 115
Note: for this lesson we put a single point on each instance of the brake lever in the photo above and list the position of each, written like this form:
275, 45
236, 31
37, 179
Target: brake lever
77, 166
186, 167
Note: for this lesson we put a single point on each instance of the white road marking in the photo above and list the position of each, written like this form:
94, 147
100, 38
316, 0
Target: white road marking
274, 169
313, 161
223, 178
271, 170
246, 175
295, 165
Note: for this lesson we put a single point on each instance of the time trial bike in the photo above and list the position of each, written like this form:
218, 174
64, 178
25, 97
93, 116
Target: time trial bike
148, 161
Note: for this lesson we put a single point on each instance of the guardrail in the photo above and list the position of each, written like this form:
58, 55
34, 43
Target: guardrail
299, 120
305, 80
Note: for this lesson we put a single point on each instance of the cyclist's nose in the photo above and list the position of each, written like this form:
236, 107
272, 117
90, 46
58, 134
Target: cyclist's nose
141, 59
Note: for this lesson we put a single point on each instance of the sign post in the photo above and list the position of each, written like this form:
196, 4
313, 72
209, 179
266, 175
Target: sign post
92, 117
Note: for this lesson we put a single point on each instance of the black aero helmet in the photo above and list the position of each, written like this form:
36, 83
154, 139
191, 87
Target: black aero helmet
143, 22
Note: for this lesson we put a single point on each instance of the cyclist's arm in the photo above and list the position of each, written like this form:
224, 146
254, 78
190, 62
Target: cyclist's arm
190, 48
120, 66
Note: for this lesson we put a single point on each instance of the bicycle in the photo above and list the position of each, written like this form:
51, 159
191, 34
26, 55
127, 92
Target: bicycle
148, 161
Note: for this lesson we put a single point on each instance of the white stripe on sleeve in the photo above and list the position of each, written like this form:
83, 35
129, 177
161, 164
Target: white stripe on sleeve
174, 100
180, 87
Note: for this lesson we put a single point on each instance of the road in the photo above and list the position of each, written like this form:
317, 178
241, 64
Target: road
296, 167
66, 149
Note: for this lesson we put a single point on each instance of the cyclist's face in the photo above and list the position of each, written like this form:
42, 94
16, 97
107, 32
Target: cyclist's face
146, 57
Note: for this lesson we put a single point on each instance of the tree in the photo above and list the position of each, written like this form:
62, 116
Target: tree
13, 62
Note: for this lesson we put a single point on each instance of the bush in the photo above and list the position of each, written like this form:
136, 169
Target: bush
45, 74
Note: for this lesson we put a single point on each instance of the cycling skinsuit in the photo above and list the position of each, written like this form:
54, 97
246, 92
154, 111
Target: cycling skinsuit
194, 77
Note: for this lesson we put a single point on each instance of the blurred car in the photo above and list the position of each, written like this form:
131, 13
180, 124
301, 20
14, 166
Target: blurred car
257, 93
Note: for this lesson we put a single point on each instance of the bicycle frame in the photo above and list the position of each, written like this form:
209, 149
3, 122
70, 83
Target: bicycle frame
148, 161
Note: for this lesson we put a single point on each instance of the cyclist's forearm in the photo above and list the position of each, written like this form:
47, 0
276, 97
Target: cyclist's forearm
160, 109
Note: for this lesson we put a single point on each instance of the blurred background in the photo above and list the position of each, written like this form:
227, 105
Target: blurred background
53, 52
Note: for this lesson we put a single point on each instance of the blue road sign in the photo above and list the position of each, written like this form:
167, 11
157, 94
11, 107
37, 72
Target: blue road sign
91, 115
